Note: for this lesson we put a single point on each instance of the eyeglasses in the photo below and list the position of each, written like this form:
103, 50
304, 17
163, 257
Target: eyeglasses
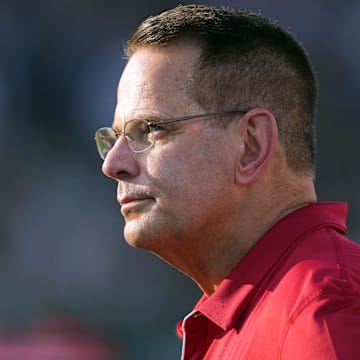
139, 133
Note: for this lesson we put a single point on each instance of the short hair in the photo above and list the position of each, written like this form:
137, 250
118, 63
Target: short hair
246, 61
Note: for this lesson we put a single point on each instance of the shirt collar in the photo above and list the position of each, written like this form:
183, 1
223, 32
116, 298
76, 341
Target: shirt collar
235, 291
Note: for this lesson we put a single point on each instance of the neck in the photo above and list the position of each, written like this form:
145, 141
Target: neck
252, 220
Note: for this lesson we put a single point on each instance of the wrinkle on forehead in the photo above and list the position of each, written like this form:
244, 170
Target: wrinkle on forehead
157, 79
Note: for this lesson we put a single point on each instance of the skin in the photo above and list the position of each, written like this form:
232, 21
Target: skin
202, 196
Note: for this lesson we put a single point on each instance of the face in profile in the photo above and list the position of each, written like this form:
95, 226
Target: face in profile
179, 188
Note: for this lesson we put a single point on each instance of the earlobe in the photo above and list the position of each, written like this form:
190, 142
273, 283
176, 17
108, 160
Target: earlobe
258, 135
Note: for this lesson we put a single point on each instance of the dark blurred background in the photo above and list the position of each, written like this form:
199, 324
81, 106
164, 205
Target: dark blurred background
62, 254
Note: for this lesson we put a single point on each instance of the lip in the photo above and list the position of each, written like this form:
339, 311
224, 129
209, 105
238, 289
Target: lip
128, 199
133, 205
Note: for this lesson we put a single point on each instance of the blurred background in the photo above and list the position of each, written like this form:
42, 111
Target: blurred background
63, 261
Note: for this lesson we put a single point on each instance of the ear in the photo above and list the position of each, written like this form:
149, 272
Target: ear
258, 135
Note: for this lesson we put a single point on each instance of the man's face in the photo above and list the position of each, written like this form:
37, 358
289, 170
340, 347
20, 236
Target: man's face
178, 192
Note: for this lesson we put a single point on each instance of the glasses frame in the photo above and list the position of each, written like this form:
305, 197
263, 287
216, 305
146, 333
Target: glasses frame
158, 122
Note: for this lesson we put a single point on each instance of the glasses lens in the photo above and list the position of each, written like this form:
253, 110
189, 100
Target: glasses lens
138, 134
105, 139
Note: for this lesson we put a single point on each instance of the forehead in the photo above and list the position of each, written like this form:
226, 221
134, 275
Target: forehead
155, 79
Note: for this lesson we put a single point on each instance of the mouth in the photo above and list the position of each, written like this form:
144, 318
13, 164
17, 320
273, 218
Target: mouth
127, 199
133, 203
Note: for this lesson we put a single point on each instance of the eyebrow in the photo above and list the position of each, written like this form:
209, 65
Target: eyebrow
198, 116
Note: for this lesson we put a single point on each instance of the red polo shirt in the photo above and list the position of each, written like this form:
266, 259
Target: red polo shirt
294, 296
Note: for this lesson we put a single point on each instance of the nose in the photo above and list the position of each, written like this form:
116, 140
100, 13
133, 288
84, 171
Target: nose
120, 162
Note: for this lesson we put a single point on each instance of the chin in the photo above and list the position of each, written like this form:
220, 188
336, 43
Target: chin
137, 237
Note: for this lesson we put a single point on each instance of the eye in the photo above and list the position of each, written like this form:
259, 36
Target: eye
116, 134
155, 127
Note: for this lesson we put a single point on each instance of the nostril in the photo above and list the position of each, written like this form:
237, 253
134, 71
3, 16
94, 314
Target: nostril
120, 162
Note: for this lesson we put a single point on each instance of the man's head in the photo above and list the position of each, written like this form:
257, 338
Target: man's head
200, 192
245, 61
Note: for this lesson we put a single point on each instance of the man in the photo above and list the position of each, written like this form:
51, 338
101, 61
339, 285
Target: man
212, 148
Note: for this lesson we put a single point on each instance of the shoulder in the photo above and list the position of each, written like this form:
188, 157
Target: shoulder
326, 326
323, 285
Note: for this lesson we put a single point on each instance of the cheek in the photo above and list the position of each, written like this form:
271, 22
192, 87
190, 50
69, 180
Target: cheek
157, 166
173, 176
194, 174
191, 171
